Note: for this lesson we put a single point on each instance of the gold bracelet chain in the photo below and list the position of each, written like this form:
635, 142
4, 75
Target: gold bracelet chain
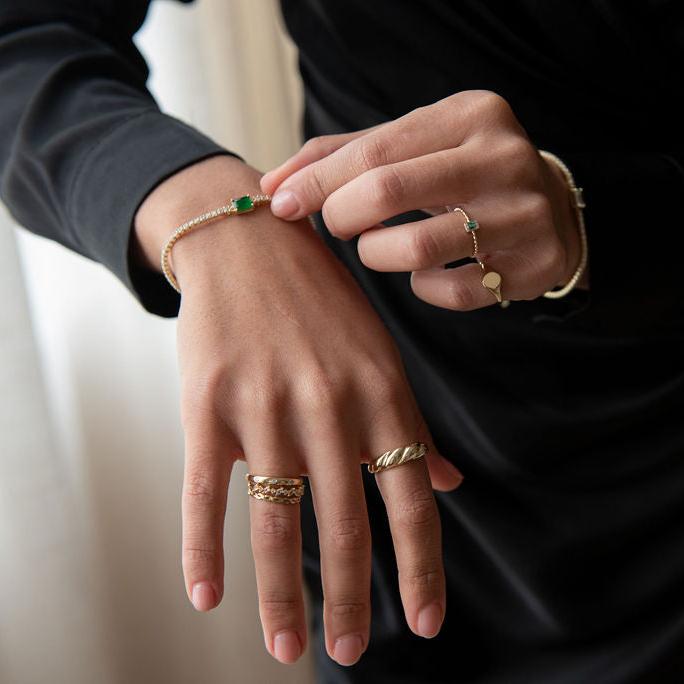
241, 205
577, 202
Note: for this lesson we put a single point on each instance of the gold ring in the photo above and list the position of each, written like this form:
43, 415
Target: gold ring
398, 456
491, 280
287, 490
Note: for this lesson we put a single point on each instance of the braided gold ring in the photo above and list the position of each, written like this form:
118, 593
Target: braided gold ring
398, 456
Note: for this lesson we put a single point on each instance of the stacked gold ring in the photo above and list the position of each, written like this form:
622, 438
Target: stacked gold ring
491, 280
286, 490
398, 456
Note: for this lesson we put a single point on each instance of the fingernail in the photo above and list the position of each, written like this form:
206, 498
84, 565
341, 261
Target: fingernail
266, 178
284, 204
203, 596
348, 649
286, 647
430, 620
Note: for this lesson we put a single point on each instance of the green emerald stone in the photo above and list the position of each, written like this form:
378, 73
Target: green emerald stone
243, 204
471, 225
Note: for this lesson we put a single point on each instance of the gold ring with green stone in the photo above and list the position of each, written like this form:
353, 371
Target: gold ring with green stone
491, 280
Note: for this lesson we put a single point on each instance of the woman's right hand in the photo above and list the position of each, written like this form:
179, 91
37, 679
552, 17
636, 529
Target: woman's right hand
285, 363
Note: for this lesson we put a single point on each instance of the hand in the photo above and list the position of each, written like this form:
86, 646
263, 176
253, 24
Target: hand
285, 364
467, 149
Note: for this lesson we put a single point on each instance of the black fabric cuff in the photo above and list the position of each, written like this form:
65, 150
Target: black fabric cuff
118, 173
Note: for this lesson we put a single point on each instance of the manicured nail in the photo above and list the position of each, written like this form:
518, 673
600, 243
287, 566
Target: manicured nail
348, 649
266, 177
284, 204
203, 596
287, 647
430, 620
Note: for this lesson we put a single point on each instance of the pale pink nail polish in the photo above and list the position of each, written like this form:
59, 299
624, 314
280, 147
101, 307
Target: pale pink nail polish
286, 647
203, 596
348, 649
430, 620
284, 204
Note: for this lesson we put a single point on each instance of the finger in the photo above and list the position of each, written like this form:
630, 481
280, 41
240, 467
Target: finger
379, 194
210, 451
444, 475
276, 543
524, 275
414, 524
344, 539
435, 241
312, 150
421, 131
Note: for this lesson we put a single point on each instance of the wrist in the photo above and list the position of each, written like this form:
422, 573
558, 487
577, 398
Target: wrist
191, 191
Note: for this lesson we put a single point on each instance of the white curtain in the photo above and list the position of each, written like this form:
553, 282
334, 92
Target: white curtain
91, 588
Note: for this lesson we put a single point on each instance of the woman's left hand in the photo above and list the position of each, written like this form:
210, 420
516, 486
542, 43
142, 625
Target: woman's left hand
467, 150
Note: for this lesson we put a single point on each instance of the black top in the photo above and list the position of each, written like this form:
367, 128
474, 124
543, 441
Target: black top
565, 545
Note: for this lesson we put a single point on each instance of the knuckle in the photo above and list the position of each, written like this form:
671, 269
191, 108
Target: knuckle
278, 604
314, 187
388, 187
199, 555
273, 531
318, 183
516, 152
348, 608
459, 295
424, 250
320, 393
490, 103
421, 577
349, 534
202, 392
538, 209
370, 154
319, 143
258, 398
417, 510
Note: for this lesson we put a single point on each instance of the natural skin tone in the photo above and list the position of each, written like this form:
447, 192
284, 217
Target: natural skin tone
284, 362
467, 149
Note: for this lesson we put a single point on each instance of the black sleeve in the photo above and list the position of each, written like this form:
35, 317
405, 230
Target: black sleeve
82, 141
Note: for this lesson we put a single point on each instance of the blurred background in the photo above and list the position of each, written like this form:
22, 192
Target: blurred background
91, 449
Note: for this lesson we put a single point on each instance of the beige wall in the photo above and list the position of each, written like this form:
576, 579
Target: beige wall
91, 588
